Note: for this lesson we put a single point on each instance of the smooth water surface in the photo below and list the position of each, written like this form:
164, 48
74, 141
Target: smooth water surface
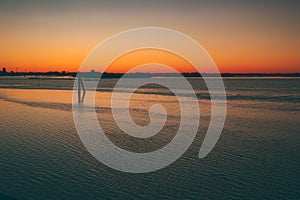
257, 155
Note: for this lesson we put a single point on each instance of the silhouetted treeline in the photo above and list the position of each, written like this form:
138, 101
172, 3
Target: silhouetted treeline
260, 74
94, 74
50, 73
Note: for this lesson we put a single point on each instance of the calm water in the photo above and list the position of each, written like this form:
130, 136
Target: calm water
257, 155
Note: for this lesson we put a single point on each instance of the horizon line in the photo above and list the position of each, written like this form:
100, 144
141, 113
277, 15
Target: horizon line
148, 74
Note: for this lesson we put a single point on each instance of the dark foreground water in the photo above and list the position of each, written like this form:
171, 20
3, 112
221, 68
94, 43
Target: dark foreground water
257, 155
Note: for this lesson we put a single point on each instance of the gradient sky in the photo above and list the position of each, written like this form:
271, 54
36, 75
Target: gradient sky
241, 36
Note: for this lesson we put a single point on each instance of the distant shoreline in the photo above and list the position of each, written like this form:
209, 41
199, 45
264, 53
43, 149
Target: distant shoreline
92, 74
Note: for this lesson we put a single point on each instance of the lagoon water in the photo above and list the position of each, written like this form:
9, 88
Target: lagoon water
257, 155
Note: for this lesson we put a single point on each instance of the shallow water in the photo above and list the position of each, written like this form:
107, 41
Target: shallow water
257, 155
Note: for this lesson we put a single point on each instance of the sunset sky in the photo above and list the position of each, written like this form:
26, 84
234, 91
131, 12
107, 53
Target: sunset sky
241, 36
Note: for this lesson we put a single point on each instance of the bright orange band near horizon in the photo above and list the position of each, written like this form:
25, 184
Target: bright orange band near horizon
43, 57
140, 57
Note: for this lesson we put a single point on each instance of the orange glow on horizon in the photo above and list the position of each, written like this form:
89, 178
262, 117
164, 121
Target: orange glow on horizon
43, 56
140, 57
